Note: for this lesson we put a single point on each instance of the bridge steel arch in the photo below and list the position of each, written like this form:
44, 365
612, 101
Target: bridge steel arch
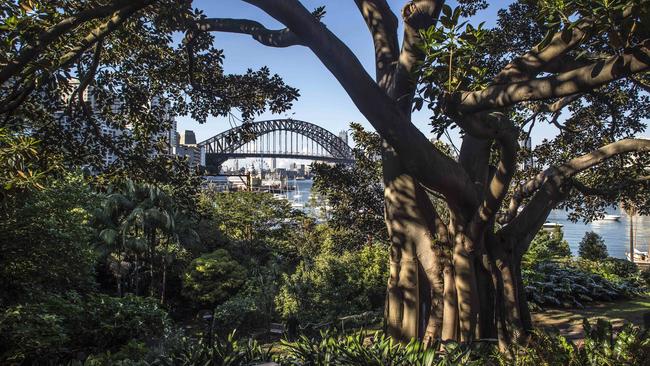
224, 146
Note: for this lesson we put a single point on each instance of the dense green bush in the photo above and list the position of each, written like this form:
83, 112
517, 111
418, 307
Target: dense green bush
645, 277
46, 242
333, 285
613, 269
212, 278
565, 284
227, 351
592, 247
601, 346
376, 349
547, 245
66, 327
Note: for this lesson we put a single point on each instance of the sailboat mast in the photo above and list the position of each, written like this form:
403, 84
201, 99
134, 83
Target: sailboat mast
631, 237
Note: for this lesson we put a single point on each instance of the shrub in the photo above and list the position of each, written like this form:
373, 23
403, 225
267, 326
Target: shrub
46, 242
630, 346
212, 278
613, 269
334, 285
547, 245
379, 350
592, 247
645, 277
566, 285
227, 351
62, 327
601, 346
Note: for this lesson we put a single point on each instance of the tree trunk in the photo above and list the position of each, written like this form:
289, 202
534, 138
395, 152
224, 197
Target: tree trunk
403, 303
164, 282
464, 295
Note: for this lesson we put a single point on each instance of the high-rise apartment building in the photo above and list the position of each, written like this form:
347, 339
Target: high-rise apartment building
188, 138
107, 129
343, 135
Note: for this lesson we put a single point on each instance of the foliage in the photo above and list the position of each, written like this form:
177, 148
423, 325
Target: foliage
355, 192
20, 167
61, 327
211, 278
645, 277
630, 346
547, 245
46, 242
462, 56
613, 269
379, 350
221, 352
568, 285
255, 223
140, 226
592, 247
253, 306
332, 285
137, 77
601, 346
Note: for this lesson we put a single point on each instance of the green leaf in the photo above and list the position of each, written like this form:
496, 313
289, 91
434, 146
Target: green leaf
546, 40
446, 10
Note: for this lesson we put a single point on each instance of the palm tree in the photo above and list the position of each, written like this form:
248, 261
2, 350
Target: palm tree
145, 220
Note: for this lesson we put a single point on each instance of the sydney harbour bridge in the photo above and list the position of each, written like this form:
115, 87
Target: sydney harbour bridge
278, 138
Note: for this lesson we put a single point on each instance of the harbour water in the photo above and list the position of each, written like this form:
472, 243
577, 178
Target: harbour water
615, 233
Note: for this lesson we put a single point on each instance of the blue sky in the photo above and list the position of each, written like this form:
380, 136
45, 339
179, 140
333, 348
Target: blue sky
322, 100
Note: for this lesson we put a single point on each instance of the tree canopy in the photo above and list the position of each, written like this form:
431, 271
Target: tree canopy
119, 63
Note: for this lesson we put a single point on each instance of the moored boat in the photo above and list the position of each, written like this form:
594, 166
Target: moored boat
611, 217
552, 225
639, 256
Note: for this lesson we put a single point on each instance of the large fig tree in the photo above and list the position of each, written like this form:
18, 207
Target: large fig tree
458, 275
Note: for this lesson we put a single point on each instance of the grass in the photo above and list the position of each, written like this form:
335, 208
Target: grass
568, 322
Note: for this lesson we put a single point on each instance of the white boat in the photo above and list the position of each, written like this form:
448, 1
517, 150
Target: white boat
297, 193
279, 196
639, 256
297, 205
552, 225
611, 217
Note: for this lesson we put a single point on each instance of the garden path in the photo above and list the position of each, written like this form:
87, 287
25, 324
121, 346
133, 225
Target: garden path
568, 322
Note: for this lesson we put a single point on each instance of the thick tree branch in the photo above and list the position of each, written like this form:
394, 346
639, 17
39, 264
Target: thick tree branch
558, 176
567, 63
96, 35
641, 84
494, 126
633, 60
31, 52
606, 191
418, 15
429, 166
267, 37
87, 79
382, 23
530, 64
560, 104
16, 99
